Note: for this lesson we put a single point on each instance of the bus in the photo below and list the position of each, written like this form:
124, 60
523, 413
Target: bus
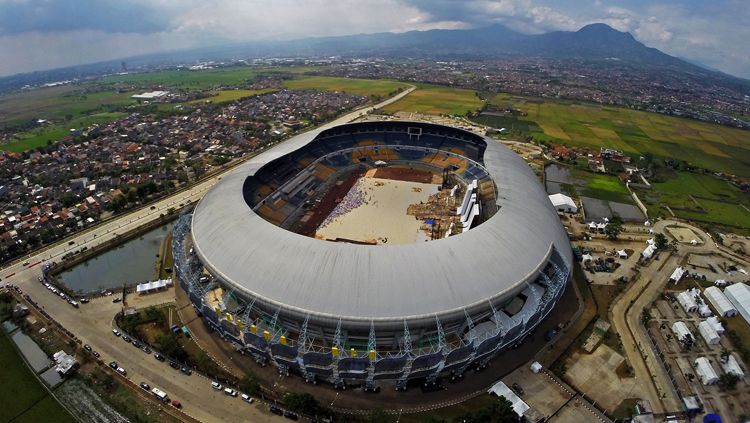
158, 393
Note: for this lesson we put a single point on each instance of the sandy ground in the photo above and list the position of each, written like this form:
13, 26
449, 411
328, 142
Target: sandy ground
683, 235
382, 216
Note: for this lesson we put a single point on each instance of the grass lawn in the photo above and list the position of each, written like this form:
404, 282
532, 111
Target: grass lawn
367, 87
226, 96
711, 146
605, 187
22, 398
436, 100
713, 200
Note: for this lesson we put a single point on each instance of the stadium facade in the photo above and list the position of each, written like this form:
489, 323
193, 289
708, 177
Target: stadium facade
365, 314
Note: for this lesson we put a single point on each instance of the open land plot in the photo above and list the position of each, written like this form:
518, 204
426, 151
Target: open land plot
381, 216
188, 79
227, 96
22, 398
45, 135
435, 100
57, 104
699, 197
367, 87
711, 146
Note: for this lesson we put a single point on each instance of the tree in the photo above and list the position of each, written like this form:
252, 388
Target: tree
171, 347
500, 411
249, 384
614, 227
724, 355
660, 241
728, 381
301, 403
378, 416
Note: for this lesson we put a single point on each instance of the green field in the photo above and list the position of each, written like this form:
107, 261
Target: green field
436, 100
202, 79
22, 398
604, 187
702, 198
226, 96
44, 135
57, 104
707, 145
368, 87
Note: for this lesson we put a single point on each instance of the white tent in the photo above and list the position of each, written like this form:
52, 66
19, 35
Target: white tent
681, 330
705, 371
708, 333
500, 389
651, 242
678, 273
536, 367
687, 302
587, 257
718, 327
622, 254
649, 251
720, 283
732, 366
739, 295
563, 203
721, 303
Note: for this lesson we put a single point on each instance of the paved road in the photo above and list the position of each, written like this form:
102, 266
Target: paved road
626, 318
93, 322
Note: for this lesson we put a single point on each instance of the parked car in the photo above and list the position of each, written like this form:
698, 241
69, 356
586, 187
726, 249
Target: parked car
87, 347
136, 344
113, 365
174, 365
277, 410
95, 354
176, 404
217, 386
516, 387
117, 300
186, 370
121, 371
126, 338
84, 300
231, 392
159, 357
289, 415
116, 332
145, 386
247, 398
146, 349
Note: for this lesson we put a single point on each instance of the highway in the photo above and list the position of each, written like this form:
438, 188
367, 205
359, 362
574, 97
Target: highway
92, 322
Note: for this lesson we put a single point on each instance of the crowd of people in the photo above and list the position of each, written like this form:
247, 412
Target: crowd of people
353, 199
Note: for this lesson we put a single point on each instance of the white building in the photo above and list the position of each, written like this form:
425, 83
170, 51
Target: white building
708, 333
681, 330
705, 371
719, 301
739, 295
649, 251
732, 366
678, 273
563, 203
501, 390
149, 95
687, 302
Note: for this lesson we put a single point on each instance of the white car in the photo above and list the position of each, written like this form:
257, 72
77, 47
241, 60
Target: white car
246, 398
217, 386
231, 392
121, 371
116, 332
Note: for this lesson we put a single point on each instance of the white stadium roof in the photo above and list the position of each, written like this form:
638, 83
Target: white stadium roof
382, 283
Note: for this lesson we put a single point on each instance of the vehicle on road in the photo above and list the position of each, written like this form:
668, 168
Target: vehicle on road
84, 300
95, 354
87, 347
121, 371
231, 392
289, 415
153, 207
117, 300
217, 386
26, 263
145, 386
186, 370
71, 242
176, 404
146, 349
161, 395
126, 338
276, 410
113, 365
116, 332
159, 357
136, 344
247, 398
174, 365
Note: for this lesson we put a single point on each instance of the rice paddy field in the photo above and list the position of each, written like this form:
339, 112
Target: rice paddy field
436, 100
366, 87
701, 198
714, 147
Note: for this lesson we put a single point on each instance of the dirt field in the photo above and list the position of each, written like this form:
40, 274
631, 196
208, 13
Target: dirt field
379, 215
403, 174
328, 202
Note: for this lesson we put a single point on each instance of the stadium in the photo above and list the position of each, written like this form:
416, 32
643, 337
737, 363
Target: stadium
375, 252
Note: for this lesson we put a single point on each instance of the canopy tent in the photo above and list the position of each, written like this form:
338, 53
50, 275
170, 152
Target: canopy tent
721, 303
152, 286
501, 389
739, 295
678, 273
732, 366
563, 203
718, 327
681, 330
708, 333
687, 302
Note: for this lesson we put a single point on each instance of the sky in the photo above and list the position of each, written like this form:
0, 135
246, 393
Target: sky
45, 34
